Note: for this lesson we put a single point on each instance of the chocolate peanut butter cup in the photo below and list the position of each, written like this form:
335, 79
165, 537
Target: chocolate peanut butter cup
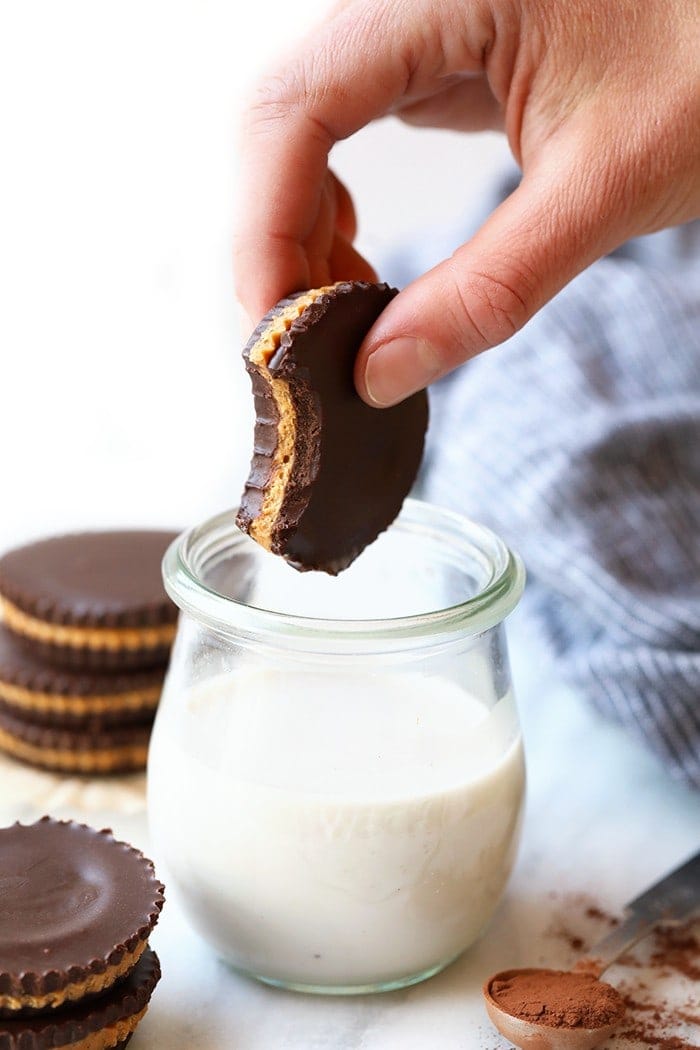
77, 910
328, 472
87, 750
105, 1023
35, 691
91, 600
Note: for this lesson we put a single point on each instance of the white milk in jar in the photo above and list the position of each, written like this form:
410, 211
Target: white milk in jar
337, 830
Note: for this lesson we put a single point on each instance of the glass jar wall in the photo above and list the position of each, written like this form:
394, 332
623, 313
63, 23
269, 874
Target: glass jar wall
336, 772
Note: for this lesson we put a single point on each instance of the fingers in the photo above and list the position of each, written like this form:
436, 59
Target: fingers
320, 240
330, 255
369, 55
548, 230
327, 254
346, 264
281, 194
345, 218
468, 104
289, 131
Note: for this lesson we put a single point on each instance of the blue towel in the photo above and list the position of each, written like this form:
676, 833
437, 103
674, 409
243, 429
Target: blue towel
578, 441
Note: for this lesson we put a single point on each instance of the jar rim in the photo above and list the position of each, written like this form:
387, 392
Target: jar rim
493, 602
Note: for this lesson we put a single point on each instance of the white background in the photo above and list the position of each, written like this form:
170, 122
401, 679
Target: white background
123, 396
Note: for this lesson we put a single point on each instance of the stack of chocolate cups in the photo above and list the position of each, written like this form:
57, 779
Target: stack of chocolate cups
85, 636
76, 967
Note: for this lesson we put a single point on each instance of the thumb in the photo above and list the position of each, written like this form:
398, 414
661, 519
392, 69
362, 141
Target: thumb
547, 231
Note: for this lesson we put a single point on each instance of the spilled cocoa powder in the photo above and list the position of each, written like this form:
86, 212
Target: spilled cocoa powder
673, 955
659, 980
559, 999
677, 948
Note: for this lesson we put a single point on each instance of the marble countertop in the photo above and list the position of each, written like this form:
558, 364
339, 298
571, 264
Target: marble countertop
603, 820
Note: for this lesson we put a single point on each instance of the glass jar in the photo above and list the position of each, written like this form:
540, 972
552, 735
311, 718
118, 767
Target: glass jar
336, 773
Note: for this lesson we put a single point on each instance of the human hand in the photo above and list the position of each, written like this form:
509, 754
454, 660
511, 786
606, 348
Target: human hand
601, 105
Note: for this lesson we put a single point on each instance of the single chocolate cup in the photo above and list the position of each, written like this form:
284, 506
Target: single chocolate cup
90, 600
78, 908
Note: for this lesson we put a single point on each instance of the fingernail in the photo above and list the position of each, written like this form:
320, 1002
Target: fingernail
398, 369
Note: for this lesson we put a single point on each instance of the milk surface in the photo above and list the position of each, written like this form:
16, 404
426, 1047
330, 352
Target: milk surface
331, 830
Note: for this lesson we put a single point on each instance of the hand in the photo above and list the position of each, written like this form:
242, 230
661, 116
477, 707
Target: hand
601, 105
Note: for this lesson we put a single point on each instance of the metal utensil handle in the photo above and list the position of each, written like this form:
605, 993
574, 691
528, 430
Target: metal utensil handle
674, 897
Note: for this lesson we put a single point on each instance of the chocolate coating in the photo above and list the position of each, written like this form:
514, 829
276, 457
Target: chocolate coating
267, 418
100, 660
20, 667
91, 579
75, 1022
353, 465
78, 745
74, 901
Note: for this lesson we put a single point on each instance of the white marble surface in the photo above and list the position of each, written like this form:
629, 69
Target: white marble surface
602, 821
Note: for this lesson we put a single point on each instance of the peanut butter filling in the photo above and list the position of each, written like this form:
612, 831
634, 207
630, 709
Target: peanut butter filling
31, 700
111, 1036
98, 982
94, 760
283, 459
110, 638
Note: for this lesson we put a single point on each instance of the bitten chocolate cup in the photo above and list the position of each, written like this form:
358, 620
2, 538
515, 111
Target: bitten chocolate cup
328, 473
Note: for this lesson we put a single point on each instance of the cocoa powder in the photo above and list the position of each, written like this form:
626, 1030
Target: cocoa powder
659, 979
672, 952
677, 948
558, 998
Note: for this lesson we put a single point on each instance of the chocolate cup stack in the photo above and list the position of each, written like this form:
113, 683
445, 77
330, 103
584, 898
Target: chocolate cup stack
85, 640
76, 969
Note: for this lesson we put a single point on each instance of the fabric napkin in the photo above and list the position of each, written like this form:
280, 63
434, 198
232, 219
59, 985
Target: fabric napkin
578, 441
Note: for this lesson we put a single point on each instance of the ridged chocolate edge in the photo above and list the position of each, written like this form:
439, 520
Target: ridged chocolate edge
38, 984
280, 365
266, 423
117, 1004
264, 447
157, 615
74, 737
154, 614
76, 659
84, 722
58, 681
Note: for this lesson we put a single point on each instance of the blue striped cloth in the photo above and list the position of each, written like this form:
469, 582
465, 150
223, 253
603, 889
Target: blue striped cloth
579, 442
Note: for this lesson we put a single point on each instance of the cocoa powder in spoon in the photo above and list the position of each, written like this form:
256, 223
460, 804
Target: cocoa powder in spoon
559, 999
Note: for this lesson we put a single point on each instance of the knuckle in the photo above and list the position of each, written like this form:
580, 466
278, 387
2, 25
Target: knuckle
493, 307
273, 97
280, 99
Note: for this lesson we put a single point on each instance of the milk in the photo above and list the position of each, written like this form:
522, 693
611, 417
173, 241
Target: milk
336, 831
